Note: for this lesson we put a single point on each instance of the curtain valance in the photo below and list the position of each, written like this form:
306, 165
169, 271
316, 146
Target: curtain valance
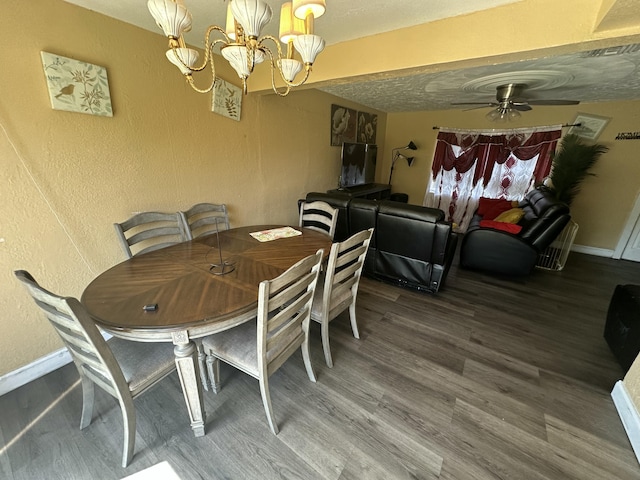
482, 149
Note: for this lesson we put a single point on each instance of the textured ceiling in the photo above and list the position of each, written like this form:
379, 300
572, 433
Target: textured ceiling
344, 19
605, 75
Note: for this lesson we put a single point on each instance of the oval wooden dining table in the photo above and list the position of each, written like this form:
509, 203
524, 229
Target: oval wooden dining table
192, 301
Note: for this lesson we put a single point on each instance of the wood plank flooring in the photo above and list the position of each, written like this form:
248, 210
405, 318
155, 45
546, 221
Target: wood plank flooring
491, 378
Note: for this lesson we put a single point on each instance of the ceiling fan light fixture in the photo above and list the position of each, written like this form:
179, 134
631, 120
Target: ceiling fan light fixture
495, 115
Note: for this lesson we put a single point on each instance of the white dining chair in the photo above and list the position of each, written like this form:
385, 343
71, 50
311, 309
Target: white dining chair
319, 216
148, 231
122, 368
260, 347
338, 286
204, 219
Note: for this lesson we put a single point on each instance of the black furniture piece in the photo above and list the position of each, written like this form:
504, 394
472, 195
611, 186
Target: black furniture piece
622, 329
372, 191
399, 197
497, 251
412, 246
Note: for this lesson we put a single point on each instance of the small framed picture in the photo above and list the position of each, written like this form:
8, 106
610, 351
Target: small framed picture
77, 86
591, 126
226, 99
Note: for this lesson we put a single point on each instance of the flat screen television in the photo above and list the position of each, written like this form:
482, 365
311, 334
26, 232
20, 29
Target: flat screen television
358, 164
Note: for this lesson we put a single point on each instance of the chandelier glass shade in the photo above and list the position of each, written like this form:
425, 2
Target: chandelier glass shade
240, 42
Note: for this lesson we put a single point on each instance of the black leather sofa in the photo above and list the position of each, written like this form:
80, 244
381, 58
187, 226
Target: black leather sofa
412, 246
497, 251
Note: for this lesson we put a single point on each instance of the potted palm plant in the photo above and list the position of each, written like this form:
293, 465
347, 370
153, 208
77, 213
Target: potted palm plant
571, 165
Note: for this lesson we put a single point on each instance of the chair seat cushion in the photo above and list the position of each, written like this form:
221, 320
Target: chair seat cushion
236, 346
142, 364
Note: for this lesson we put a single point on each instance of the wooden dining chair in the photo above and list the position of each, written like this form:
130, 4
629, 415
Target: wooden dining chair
319, 216
148, 231
204, 219
259, 348
338, 286
122, 368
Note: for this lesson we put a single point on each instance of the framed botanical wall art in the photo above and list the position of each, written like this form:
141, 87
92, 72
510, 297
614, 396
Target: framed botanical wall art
226, 99
343, 125
77, 86
591, 126
367, 127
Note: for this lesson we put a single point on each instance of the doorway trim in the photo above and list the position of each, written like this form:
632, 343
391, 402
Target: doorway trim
632, 219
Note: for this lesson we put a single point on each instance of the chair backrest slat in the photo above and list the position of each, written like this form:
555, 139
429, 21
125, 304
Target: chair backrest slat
344, 270
204, 219
284, 310
319, 216
148, 231
80, 335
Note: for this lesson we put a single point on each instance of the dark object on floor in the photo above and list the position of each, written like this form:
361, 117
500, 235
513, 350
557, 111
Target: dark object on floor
622, 330
412, 246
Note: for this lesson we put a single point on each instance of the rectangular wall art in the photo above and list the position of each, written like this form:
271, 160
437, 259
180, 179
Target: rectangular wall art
226, 99
367, 127
343, 125
591, 126
77, 86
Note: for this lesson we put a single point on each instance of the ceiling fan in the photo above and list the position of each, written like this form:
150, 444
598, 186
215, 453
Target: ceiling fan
510, 102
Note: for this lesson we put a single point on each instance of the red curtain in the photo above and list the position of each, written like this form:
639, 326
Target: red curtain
481, 151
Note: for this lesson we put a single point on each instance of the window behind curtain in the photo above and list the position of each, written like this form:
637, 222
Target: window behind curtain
469, 164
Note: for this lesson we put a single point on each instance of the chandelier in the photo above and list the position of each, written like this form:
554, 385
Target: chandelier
241, 44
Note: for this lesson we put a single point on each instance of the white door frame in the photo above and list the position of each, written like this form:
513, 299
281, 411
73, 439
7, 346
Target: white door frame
633, 218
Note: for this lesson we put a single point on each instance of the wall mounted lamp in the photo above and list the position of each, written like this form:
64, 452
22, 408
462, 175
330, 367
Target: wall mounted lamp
397, 155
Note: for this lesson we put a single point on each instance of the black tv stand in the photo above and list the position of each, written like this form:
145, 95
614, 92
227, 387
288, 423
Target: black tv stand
373, 191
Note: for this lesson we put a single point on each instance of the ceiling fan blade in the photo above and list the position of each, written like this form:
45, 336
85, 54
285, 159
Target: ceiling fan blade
521, 107
554, 102
484, 104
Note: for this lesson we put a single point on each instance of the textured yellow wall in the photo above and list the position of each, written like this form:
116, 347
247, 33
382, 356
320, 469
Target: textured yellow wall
67, 177
602, 207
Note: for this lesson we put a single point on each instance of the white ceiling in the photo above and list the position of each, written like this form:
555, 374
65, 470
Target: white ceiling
605, 75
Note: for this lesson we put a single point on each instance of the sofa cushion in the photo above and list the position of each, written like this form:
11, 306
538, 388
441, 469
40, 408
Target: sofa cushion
504, 226
490, 208
510, 216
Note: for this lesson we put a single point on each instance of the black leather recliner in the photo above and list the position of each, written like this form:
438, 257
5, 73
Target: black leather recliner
497, 251
411, 246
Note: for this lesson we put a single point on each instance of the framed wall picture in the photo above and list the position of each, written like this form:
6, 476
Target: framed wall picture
226, 99
343, 125
367, 127
76, 86
591, 126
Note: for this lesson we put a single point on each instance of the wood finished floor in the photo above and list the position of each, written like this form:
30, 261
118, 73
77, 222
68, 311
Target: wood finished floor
488, 379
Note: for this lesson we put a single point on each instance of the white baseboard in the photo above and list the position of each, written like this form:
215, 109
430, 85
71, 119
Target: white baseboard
36, 369
598, 252
43, 365
628, 414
